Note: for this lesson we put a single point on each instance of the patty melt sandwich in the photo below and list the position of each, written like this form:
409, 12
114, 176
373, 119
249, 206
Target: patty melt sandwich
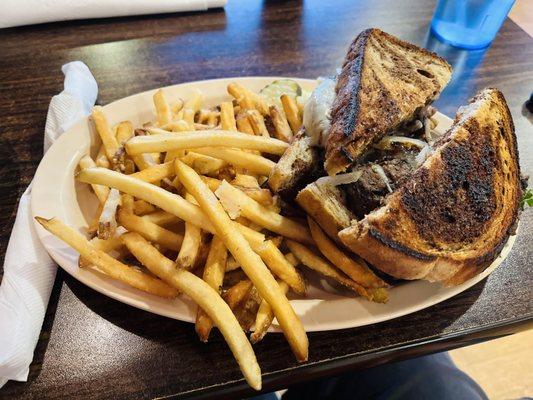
370, 169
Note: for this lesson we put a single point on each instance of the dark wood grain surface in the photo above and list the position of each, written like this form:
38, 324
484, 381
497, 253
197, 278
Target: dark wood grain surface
94, 347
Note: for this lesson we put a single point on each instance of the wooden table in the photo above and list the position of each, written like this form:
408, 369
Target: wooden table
94, 347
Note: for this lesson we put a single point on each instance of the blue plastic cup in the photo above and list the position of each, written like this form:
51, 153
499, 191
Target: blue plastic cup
469, 24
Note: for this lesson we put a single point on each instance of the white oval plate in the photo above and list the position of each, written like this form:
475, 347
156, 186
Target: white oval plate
56, 194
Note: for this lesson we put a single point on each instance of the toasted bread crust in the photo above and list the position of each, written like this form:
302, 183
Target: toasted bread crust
326, 205
388, 256
384, 82
299, 165
455, 215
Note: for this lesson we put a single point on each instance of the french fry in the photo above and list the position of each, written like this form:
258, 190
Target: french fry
93, 225
107, 264
264, 317
235, 294
318, 264
239, 158
183, 125
177, 126
203, 127
104, 131
162, 108
250, 262
262, 196
202, 163
155, 172
113, 244
143, 161
283, 129
161, 198
188, 117
213, 275
212, 183
231, 264
161, 140
194, 102
107, 223
124, 132
206, 297
127, 203
155, 195
245, 181
247, 309
232, 198
108, 245
212, 118
291, 111
251, 187
291, 258
258, 123
252, 100
101, 158
176, 184
192, 240
356, 271
277, 240
150, 231
160, 218
141, 207
100, 191
241, 95
243, 123
277, 263
227, 117
176, 107
255, 227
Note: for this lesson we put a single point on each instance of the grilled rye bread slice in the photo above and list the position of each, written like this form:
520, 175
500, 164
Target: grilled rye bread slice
300, 164
384, 82
326, 205
453, 217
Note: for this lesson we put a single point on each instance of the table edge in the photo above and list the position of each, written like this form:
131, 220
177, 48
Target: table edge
283, 378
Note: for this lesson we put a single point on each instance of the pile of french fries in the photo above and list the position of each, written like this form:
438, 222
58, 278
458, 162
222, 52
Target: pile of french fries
183, 208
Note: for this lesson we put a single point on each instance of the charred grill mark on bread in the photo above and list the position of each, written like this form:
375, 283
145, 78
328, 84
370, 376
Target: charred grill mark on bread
459, 207
399, 247
347, 88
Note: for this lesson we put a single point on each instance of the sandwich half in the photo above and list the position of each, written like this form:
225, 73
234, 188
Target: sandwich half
384, 82
385, 86
451, 218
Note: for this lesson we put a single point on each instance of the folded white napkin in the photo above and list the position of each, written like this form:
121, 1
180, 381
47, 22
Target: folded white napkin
15, 12
29, 271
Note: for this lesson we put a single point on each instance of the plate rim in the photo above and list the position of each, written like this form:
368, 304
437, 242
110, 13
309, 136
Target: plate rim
129, 300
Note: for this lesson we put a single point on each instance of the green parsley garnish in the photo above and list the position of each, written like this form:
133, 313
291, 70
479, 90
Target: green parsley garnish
527, 199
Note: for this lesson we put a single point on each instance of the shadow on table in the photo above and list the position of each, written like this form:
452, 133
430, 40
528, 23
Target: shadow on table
134, 320
155, 327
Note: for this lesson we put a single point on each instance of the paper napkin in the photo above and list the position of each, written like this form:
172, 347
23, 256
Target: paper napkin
29, 271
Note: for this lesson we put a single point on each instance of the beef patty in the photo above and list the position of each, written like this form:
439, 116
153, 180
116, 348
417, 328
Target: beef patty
367, 193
